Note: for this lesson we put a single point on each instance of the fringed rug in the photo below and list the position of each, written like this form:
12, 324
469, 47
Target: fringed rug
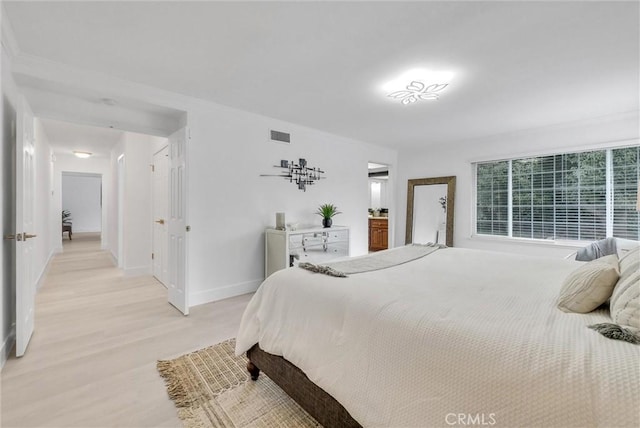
211, 388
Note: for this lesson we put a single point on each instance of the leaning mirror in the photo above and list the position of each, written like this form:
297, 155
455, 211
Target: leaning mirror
430, 203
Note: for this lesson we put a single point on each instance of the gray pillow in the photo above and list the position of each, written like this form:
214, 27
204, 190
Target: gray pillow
601, 248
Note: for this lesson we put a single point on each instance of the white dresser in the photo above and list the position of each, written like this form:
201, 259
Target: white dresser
285, 248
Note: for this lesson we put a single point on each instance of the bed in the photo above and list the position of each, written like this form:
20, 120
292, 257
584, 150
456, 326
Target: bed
457, 337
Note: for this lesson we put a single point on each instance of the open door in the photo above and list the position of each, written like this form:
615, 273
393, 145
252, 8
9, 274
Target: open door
177, 274
160, 210
25, 193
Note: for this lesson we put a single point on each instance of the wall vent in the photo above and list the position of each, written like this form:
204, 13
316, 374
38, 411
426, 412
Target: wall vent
280, 137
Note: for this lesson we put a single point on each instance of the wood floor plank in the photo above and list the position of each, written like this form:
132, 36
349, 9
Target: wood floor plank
91, 361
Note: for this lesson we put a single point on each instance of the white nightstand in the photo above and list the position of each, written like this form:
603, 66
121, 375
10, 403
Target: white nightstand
285, 248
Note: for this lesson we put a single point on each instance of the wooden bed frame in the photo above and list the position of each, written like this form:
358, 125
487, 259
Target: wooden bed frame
318, 403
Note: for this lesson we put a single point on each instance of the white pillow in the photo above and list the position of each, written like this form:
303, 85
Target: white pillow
589, 286
624, 246
625, 300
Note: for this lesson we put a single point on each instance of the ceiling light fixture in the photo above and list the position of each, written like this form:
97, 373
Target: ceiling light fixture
82, 155
417, 84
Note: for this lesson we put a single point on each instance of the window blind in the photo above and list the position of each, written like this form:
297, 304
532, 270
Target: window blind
563, 196
625, 172
492, 205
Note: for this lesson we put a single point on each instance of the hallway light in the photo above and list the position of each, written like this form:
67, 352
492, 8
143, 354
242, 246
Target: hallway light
82, 155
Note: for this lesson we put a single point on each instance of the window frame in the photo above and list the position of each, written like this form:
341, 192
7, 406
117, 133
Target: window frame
607, 147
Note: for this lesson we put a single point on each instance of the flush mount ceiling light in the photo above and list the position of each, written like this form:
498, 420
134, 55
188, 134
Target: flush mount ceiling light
82, 155
417, 84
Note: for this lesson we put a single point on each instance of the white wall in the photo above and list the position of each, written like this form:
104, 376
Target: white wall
43, 247
82, 197
456, 159
230, 205
112, 232
68, 163
44, 243
137, 229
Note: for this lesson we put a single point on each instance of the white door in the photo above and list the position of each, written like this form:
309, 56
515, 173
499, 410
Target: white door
121, 166
160, 211
177, 273
25, 183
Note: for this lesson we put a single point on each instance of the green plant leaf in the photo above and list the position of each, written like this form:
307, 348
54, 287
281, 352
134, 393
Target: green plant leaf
327, 210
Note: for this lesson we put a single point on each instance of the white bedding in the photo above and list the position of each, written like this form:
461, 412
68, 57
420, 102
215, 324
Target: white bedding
457, 334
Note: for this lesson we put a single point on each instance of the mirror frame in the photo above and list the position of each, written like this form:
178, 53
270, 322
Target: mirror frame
450, 181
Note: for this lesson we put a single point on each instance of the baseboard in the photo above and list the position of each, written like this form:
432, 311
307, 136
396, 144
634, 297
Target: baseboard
208, 296
7, 346
46, 267
137, 271
114, 259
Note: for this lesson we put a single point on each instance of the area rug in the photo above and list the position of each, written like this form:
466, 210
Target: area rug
211, 388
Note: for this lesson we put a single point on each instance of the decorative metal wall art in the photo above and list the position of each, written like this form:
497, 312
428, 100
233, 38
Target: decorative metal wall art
298, 173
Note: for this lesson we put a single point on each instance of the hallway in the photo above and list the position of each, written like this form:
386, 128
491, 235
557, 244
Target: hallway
91, 360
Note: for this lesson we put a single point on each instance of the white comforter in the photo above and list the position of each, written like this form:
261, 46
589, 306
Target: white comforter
459, 337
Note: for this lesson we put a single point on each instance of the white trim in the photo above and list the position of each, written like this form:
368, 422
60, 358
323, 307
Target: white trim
531, 241
158, 151
609, 193
510, 200
81, 174
216, 294
474, 200
549, 152
114, 258
7, 346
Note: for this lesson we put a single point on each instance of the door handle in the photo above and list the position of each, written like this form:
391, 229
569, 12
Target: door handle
17, 237
28, 235
161, 221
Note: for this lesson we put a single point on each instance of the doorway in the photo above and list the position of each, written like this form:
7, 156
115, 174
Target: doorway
81, 194
379, 202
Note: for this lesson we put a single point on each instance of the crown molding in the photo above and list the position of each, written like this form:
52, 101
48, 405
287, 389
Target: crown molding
8, 36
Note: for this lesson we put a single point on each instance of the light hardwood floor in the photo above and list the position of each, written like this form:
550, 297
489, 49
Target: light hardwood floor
91, 361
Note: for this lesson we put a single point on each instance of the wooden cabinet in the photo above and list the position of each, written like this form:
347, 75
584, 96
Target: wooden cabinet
286, 248
378, 234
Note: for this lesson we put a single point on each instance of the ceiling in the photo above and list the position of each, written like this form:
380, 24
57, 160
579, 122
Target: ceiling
92, 107
516, 65
66, 137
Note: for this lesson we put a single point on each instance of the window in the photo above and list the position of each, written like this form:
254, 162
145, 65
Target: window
625, 167
493, 198
573, 196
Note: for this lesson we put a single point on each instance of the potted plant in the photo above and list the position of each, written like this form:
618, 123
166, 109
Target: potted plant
327, 211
